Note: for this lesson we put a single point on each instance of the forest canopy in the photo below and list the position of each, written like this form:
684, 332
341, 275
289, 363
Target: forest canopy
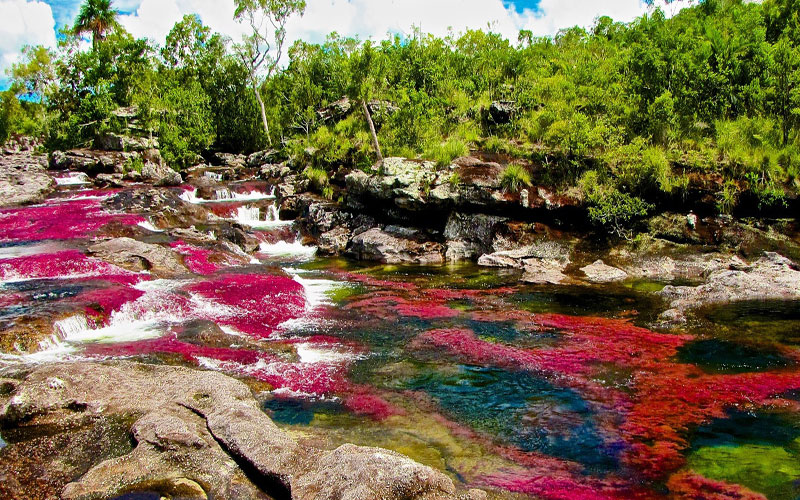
626, 114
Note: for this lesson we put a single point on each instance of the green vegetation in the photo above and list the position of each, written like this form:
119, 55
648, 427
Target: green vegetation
631, 114
514, 178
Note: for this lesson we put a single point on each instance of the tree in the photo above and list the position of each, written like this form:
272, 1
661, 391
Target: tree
785, 76
186, 43
264, 47
35, 76
367, 76
95, 17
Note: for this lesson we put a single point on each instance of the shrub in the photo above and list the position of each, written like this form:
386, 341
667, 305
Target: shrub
444, 153
318, 178
514, 178
617, 211
135, 164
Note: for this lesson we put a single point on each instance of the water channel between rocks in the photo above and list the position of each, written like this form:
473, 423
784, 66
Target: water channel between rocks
548, 391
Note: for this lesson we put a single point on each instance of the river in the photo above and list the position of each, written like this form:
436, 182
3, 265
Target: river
546, 391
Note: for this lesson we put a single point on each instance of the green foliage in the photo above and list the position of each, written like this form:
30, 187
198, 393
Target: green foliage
319, 180
514, 178
135, 164
636, 107
616, 211
444, 153
185, 124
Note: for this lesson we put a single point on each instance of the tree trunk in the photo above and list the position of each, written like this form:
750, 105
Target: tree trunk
263, 112
372, 131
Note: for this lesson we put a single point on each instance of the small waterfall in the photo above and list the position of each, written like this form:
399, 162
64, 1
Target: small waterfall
249, 216
215, 176
225, 195
73, 179
150, 227
65, 329
287, 249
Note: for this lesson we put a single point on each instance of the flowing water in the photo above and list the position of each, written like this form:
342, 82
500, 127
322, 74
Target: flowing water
550, 392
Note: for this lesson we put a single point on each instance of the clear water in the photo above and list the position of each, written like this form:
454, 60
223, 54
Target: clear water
541, 391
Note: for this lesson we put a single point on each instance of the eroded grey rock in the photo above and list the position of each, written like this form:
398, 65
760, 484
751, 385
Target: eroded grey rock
23, 179
600, 272
138, 256
198, 434
772, 277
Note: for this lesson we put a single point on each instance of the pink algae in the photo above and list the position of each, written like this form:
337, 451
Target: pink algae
68, 264
667, 398
58, 221
372, 405
258, 303
198, 260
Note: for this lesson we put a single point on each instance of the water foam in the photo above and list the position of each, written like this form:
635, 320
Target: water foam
73, 179
227, 196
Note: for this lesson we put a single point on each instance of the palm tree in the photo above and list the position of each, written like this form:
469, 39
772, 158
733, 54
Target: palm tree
95, 17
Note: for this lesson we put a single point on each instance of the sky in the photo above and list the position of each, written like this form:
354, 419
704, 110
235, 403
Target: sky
35, 22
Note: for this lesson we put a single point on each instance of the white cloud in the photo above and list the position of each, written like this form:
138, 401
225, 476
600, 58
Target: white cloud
23, 23
376, 18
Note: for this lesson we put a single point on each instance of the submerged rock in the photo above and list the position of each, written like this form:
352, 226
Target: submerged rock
197, 434
23, 179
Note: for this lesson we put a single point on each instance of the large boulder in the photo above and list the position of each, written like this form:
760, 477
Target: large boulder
358, 473
160, 175
116, 142
469, 235
90, 161
394, 245
23, 179
138, 256
600, 272
772, 277
196, 434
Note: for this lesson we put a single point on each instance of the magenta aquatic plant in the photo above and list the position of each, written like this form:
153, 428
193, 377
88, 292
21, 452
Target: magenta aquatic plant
61, 220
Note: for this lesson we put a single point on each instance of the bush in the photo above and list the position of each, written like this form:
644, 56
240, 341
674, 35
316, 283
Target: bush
444, 153
318, 178
617, 211
514, 178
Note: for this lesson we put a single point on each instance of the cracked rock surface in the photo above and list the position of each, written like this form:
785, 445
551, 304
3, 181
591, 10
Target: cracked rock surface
101, 430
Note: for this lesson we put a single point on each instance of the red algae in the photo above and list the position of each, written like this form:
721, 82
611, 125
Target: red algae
58, 221
371, 405
196, 259
668, 398
170, 345
259, 303
67, 264
690, 486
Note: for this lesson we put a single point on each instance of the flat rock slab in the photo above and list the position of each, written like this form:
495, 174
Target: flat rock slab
600, 272
138, 256
772, 277
197, 434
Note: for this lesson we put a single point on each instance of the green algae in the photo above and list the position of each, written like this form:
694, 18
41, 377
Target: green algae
768, 469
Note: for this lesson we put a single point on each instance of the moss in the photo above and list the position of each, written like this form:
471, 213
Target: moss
771, 470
